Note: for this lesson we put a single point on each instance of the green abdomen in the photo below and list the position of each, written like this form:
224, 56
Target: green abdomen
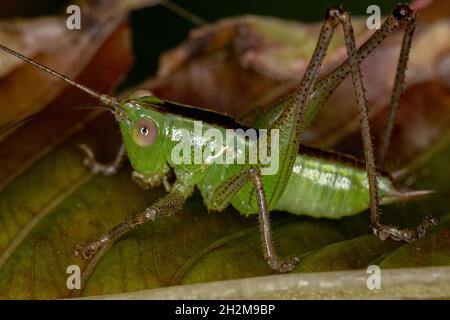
322, 184
328, 188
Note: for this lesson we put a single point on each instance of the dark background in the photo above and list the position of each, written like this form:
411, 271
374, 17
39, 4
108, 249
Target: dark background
156, 29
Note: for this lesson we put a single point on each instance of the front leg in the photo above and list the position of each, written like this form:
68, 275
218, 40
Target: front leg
99, 168
166, 206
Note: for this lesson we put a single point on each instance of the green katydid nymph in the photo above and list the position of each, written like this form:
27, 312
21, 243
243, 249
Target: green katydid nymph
305, 180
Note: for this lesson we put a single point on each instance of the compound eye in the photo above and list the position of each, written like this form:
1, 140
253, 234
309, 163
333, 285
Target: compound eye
144, 132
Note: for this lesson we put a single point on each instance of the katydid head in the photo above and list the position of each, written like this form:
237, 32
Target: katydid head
143, 133
141, 126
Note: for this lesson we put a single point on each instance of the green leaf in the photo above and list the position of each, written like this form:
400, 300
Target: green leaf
49, 203
56, 203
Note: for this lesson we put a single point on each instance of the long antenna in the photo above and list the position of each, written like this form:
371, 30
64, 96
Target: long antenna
105, 99
194, 19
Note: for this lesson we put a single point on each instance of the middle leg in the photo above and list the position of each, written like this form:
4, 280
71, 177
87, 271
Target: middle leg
225, 192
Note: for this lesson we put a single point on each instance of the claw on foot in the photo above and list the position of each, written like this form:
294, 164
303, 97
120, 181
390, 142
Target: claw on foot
87, 250
408, 235
285, 265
